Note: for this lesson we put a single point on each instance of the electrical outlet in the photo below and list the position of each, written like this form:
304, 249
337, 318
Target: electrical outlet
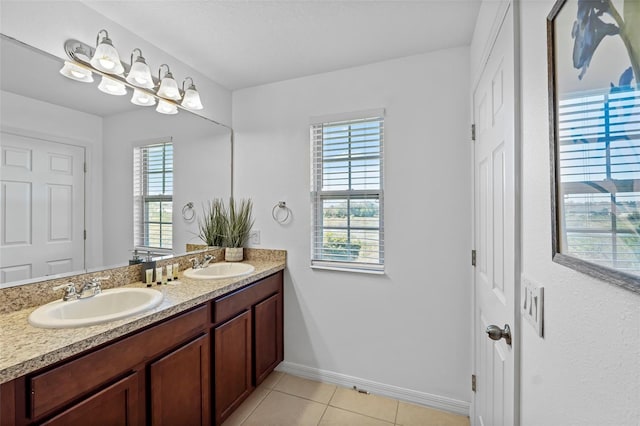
532, 307
254, 238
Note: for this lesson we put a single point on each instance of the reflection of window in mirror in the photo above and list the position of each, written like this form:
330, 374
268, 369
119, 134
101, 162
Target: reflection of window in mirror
599, 174
153, 196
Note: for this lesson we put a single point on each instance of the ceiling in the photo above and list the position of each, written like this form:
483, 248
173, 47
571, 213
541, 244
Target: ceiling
244, 43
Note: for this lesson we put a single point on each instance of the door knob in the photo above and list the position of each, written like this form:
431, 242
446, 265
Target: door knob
497, 333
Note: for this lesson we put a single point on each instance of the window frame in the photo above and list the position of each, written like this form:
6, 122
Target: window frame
319, 196
142, 199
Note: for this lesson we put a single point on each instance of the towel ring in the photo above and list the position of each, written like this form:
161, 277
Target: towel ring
187, 212
276, 209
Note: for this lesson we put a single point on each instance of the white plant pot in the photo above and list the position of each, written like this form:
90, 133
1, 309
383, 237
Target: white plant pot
234, 254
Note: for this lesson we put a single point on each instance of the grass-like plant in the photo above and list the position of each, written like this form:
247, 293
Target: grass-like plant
213, 225
239, 222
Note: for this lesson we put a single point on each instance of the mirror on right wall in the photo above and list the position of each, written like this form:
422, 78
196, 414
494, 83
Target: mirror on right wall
594, 115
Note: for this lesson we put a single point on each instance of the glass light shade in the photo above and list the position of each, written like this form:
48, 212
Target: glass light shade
140, 75
169, 88
77, 73
143, 99
191, 99
165, 107
106, 58
112, 87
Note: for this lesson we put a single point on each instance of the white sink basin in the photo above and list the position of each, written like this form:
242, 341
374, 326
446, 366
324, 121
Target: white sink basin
107, 306
219, 270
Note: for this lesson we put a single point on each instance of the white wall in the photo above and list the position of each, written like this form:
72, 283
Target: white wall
201, 172
410, 327
34, 118
586, 370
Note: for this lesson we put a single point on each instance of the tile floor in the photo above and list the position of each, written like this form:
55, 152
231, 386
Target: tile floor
286, 400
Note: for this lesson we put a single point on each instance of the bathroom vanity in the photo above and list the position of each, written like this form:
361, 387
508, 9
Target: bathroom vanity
192, 367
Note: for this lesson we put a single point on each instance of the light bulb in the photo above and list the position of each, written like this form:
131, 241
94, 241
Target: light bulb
165, 107
169, 88
106, 58
77, 73
143, 99
191, 99
112, 87
107, 63
140, 74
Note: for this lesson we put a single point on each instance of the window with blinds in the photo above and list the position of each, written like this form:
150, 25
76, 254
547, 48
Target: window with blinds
347, 194
153, 196
599, 173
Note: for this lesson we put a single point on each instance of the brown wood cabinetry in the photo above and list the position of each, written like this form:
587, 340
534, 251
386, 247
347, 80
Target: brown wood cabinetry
232, 364
179, 386
248, 341
165, 374
267, 317
118, 404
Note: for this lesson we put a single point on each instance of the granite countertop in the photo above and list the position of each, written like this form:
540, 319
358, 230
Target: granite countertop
24, 348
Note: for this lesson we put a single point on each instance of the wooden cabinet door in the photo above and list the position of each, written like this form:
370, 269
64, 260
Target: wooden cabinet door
118, 404
268, 348
232, 341
179, 385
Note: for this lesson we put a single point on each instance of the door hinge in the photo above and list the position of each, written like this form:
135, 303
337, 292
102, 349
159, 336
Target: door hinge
85, 167
85, 234
473, 132
473, 382
473, 258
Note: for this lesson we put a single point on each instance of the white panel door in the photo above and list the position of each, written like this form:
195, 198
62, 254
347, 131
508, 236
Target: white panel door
42, 208
495, 233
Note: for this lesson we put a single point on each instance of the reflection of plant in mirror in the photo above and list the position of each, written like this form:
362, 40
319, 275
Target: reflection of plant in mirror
238, 223
589, 30
213, 224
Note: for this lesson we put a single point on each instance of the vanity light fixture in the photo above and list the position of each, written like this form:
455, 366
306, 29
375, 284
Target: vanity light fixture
191, 99
168, 87
165, 107
142, 98
76, 73
112, 87
106, 58
140, 74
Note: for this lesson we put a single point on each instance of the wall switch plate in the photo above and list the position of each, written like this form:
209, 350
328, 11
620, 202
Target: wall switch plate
532, 306
254, 238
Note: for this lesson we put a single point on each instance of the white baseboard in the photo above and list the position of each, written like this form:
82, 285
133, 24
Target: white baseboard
408, 395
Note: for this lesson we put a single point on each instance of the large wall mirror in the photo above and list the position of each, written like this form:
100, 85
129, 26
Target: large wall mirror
594, 95
68, 167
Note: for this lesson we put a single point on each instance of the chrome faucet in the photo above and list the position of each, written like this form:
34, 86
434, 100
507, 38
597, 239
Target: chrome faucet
207, 259
91, 288
205, 262
70, 292
88, 289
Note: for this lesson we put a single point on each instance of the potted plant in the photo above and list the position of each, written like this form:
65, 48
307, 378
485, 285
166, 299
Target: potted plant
238, 227
212, 225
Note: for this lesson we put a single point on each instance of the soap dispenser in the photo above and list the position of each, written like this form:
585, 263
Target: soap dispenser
149, 263
136, 258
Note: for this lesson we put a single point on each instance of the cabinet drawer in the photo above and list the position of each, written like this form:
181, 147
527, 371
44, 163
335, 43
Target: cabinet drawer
61, 385
229, 306
116, 405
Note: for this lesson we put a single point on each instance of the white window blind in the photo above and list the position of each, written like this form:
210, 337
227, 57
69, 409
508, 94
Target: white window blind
599, 152
153, 196
347, 194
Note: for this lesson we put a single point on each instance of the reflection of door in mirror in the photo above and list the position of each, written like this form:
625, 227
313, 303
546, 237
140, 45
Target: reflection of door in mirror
42, 208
